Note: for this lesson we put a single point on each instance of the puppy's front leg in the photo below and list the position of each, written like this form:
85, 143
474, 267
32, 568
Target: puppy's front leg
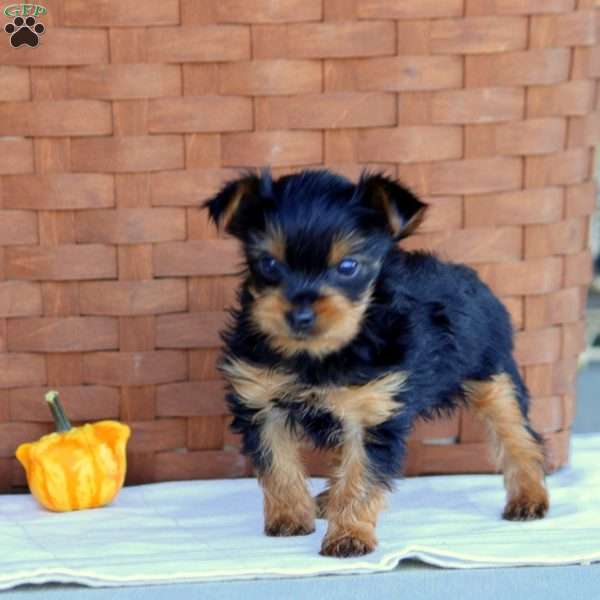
289, 508
353, 502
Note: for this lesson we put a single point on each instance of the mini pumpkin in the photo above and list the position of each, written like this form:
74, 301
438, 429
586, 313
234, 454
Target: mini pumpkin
75, 467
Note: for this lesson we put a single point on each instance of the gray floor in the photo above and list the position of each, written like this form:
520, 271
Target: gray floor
409, 580
587, 417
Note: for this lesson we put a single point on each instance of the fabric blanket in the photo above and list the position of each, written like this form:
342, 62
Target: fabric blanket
207, 530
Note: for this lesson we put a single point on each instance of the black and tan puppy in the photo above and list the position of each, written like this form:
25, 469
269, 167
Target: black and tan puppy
341, 340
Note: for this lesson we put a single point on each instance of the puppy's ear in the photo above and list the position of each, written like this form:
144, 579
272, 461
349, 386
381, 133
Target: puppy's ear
237, 206
401, 209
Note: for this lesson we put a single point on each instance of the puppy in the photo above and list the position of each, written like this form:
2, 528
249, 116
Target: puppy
342, 340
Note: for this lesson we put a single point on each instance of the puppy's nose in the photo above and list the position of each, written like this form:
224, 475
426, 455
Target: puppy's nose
301, 319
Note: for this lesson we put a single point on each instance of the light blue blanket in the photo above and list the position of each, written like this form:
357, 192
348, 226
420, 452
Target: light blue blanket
210, 530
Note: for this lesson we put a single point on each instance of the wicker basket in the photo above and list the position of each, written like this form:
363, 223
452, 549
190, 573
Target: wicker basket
125, 117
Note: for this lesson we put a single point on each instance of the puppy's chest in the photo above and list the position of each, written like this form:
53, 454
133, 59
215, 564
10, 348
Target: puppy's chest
267, 390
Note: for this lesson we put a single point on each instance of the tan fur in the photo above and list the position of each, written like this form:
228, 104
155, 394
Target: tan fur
241, 190
274, 243
257, 386
520, 457
288, 506
268, 313
365, 405
414, 223
342, 247
322, 500
353, 501
393, 218
338, 320
233, 205
395, 221
359, 405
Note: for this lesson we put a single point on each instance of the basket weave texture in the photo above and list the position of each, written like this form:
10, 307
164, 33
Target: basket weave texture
112, 131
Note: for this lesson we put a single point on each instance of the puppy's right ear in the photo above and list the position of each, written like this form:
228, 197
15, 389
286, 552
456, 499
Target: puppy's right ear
237, 205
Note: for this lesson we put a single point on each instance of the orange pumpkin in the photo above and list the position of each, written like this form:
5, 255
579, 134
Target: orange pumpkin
75, 467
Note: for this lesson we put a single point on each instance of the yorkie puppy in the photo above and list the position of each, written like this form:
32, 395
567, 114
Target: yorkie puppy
342, 340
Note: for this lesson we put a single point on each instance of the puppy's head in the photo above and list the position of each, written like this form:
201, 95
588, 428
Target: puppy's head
314, 244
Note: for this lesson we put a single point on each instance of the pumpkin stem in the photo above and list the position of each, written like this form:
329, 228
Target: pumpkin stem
60, 419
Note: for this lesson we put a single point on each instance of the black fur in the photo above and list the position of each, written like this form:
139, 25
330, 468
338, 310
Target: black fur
435, 320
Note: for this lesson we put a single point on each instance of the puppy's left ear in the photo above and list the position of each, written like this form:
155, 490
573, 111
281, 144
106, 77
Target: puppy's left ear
401, 209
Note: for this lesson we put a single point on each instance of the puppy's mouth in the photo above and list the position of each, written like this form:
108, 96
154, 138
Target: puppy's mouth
300, 335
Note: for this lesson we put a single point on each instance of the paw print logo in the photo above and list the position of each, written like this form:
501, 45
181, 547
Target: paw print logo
24, 31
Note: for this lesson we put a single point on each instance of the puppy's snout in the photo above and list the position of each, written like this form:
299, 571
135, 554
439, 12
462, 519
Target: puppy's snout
301, 319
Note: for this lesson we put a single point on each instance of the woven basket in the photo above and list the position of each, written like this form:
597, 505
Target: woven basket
127, 115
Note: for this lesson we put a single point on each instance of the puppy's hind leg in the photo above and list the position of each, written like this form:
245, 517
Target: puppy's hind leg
321, 500
502, 403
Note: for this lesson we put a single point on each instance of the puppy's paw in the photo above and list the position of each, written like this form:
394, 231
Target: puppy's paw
525, 508
344, 546
285, 527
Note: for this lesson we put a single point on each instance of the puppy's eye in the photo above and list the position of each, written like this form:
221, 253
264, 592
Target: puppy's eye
347, 267
270, 267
